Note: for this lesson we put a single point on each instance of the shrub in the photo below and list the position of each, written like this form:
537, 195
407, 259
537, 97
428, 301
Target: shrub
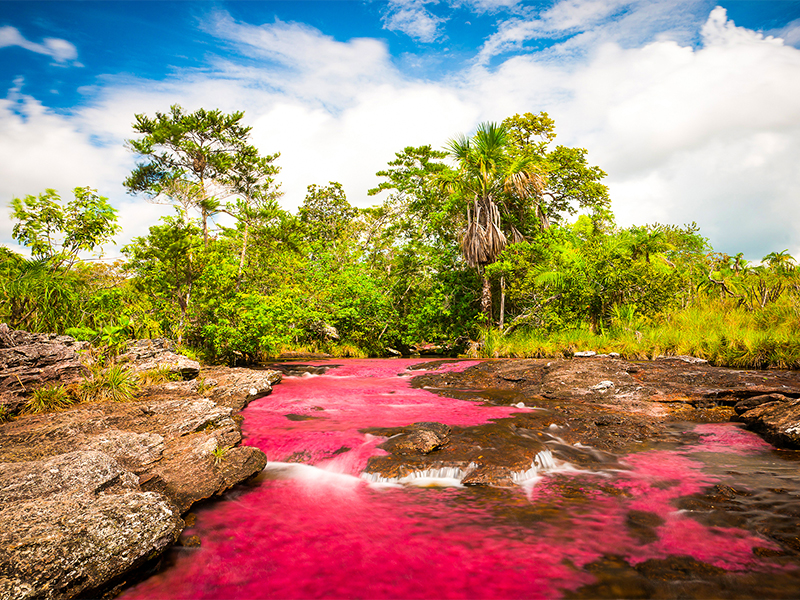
114, 383
47, 399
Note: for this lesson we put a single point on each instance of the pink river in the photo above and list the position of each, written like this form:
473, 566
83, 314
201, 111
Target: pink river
318, 530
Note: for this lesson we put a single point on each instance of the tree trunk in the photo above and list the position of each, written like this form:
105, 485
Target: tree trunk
241, 258
502, 302
486, 299
205, 227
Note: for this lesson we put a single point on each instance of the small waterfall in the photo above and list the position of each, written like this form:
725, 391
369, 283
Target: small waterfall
542, 462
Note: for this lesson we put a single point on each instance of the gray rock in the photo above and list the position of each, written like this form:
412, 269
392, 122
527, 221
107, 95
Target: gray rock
79, 472
146, 355
62, 546
133, 451
31, 360
692, 360
602, 386
584, 354
777, 421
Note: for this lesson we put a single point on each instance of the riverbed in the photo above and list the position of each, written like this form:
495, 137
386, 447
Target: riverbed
706, 510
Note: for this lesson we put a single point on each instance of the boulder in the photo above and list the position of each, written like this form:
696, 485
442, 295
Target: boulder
146, 355
60, 547
31, 360
778, 422
71, 523
419, 438
238, 387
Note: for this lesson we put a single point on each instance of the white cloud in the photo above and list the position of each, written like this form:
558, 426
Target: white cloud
60, 50
706, 132
412, 18
790, 33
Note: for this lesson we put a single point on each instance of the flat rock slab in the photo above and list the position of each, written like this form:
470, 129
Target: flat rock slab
609, 403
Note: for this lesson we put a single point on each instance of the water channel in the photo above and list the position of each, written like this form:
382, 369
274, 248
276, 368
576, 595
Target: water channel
712, 512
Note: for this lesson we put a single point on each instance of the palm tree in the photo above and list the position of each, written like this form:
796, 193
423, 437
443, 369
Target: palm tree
487, 177
781, 262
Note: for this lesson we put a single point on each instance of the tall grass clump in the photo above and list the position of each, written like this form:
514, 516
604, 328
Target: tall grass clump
114, 383
47, 399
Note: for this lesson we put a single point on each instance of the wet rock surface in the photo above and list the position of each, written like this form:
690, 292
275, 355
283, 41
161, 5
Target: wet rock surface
89, 493
584, 411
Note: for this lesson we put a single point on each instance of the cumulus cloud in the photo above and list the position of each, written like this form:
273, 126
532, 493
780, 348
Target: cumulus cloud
412, 18
694, 125
60, 50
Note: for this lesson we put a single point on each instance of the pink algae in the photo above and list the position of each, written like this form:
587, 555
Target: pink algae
311, 532
333, 408
729, 439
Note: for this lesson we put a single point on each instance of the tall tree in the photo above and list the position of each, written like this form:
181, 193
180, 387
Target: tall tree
570, 182
251, 179
326, 213
486, 177
179, 148
167, 263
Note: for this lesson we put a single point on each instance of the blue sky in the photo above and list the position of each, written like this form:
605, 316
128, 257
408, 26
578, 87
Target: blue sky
690, 106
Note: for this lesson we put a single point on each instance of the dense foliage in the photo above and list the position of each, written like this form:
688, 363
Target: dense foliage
500, 244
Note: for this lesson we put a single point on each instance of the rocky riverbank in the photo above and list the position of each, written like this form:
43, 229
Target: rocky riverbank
90, 493
94, 492
584, 410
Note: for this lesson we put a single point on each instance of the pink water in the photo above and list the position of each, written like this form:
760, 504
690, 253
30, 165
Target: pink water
317, 530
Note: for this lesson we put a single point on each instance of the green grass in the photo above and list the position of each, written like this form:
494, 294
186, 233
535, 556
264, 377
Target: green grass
47, 399
158, 375
719, 331
114, 383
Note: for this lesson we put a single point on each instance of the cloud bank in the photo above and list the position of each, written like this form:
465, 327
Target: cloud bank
693, 121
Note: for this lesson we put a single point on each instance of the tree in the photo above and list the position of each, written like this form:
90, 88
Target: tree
485, 176
56, 233
569, 182
186, 148
168, 263
326, 213
781, 262
251, 178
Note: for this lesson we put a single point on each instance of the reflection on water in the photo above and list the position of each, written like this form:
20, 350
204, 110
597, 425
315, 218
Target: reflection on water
710, 513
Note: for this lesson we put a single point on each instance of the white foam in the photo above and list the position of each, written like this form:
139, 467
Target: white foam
310, 474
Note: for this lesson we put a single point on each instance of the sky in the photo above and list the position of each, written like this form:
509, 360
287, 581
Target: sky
691, 107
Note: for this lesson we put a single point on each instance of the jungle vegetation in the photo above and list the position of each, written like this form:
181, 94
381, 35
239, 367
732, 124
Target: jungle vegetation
502, 243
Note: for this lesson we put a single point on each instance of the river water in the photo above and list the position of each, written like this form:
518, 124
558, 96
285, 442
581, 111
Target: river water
711, 512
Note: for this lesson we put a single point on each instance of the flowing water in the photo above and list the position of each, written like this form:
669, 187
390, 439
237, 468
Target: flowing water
711, 512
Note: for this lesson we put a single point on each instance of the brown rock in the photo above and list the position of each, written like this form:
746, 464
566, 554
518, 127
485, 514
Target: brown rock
778, 422
749, 403
30, 360
238, 387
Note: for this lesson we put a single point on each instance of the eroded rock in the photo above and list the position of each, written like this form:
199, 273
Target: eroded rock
777, 421
62, 546
146, 355
31, 360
